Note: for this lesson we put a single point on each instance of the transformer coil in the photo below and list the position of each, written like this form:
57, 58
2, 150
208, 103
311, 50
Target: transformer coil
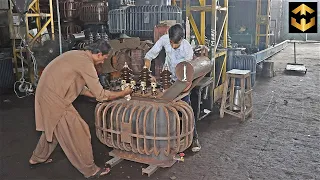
154, 130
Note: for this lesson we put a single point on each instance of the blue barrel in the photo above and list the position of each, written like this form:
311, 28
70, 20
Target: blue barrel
245, 62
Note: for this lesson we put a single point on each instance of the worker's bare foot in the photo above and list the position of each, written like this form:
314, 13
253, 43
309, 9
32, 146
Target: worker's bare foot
100, 172
32, 162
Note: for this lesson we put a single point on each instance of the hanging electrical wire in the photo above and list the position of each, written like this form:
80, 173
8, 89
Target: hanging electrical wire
25, 86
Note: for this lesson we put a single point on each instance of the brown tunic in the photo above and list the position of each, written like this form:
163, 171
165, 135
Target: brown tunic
60, 84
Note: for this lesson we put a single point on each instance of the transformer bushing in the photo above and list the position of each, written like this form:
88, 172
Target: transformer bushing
144, 79
126, 73
165, 78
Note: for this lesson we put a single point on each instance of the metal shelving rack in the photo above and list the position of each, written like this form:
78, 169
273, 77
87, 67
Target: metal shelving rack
216, 54
213, 84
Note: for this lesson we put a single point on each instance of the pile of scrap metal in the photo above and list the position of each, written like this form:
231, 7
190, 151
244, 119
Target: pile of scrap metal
153, 124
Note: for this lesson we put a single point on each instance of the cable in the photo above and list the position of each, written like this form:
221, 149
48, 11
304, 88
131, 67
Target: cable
25, 86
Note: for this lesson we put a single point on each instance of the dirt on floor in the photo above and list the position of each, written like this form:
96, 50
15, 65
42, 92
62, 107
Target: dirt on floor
282, 141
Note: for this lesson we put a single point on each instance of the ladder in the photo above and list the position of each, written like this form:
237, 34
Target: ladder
263, 18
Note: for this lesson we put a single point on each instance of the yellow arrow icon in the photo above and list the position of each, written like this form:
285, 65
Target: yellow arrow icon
303, 9
303, 26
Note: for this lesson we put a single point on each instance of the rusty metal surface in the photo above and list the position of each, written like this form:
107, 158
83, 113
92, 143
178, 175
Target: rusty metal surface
70, 9
94, 12
131, 51
137, 60
175, 90
195, 68
188, 77
69, 28
145, 159
150, 128
160, 30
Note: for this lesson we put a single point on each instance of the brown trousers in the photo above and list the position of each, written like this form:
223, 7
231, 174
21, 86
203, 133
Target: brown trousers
73, 135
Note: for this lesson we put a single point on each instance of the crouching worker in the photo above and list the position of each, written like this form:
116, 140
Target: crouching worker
62, 81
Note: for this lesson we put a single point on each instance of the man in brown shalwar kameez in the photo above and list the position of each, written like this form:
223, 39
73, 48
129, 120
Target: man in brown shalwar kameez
62, 81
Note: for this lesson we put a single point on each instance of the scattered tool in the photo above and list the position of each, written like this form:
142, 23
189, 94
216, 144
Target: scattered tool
294, 66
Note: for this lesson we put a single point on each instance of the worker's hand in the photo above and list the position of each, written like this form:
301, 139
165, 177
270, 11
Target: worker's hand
127, 90
152, 78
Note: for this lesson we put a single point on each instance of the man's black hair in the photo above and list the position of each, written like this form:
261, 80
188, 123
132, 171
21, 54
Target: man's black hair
99, 46
176, 33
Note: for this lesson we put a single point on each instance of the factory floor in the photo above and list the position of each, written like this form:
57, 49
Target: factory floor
282, 141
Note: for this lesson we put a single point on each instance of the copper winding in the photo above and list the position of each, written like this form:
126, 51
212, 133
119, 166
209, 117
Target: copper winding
156, 129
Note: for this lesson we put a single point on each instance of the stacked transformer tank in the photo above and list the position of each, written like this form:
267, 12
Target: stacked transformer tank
139, 21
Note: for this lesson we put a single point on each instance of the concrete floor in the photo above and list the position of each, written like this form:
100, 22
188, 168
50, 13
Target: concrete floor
282, 141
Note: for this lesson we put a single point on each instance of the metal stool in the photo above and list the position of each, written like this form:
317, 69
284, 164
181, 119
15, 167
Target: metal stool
245, 97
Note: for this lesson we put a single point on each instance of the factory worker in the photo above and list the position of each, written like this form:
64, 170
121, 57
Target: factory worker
62, 81
177, 50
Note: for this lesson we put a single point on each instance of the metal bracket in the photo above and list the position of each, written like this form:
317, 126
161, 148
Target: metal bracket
149, 170
113, 162
116, 160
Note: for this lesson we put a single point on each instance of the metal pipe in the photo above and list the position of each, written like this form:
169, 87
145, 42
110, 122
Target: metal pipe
194, 68
59, 26
294, 51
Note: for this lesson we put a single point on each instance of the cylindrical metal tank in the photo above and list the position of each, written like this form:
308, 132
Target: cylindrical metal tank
139, 21
145, 130
94, 12
190, 70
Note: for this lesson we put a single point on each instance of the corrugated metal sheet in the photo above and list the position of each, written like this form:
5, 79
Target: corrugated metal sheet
139, 21
113, 4
242, 20
242, 13
152, 2
4, 4
244, 62
4, 29
6, 70
276, 18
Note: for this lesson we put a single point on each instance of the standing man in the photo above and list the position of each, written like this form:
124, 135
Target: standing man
62, 81
177, 50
